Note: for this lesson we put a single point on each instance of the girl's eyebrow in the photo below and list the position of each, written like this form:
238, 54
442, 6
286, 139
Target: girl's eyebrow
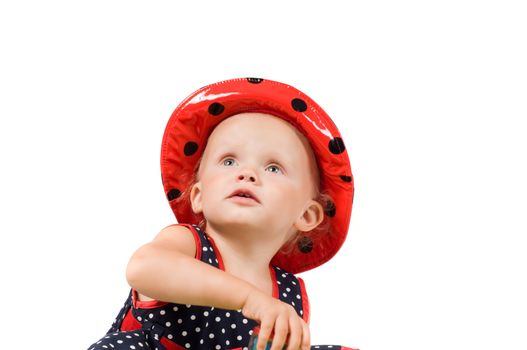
222, 154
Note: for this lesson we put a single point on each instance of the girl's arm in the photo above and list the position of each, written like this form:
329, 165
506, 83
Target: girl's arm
165, 269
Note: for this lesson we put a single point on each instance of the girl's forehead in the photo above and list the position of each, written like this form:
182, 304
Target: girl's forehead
254, 128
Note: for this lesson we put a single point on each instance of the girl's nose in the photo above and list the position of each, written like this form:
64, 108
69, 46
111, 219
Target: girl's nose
247, 175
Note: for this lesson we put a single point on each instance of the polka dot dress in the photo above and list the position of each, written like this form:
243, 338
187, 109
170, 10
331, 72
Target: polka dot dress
170, 326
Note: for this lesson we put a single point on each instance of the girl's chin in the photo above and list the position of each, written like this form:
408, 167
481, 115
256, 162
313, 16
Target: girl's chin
238, 223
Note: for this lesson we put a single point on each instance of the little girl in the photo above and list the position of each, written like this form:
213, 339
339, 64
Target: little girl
259, 180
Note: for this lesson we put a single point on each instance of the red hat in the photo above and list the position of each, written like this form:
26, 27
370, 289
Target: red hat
195, 118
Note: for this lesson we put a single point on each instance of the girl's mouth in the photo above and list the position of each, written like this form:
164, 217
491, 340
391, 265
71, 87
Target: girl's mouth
243, 200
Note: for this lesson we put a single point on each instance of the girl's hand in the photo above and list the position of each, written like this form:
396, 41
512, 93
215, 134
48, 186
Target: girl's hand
279, 318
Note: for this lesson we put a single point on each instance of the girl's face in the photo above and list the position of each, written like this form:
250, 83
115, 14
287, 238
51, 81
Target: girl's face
265, 155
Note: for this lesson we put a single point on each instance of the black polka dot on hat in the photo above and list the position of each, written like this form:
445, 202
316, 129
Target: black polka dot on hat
254, 80
173, 194
216, 108
336, 145
346, 178
190, 148
330, 209
305, 244
298, 105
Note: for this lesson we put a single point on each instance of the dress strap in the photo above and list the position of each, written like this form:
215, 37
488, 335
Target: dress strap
291, 290
205, 248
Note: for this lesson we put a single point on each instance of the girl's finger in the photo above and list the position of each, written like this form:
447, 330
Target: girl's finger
281, 329
295, 333
266, 328
306, 337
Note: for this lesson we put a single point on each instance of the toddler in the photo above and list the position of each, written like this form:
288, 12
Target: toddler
260, 183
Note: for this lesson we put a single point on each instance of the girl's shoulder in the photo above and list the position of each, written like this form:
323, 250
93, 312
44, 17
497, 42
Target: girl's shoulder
179, 237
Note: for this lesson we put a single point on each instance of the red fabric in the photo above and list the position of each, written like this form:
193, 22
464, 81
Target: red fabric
305, 300
145, 304
130, 323
170, 345
273, 281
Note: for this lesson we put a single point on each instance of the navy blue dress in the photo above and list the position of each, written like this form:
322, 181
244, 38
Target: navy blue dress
159, 325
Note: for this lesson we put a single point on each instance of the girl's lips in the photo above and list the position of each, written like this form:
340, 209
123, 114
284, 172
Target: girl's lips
244, 192
243, 200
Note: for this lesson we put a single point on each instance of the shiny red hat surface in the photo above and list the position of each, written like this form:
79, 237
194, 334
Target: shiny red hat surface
194, 119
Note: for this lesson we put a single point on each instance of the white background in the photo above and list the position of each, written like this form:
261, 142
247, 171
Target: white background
430, 97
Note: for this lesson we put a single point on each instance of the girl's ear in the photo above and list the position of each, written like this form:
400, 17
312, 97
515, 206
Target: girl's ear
311, 218
195, 198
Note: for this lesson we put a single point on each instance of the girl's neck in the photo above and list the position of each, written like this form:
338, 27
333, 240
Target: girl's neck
246, 253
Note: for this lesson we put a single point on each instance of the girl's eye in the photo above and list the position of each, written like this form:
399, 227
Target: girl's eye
228, 161
274, 167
